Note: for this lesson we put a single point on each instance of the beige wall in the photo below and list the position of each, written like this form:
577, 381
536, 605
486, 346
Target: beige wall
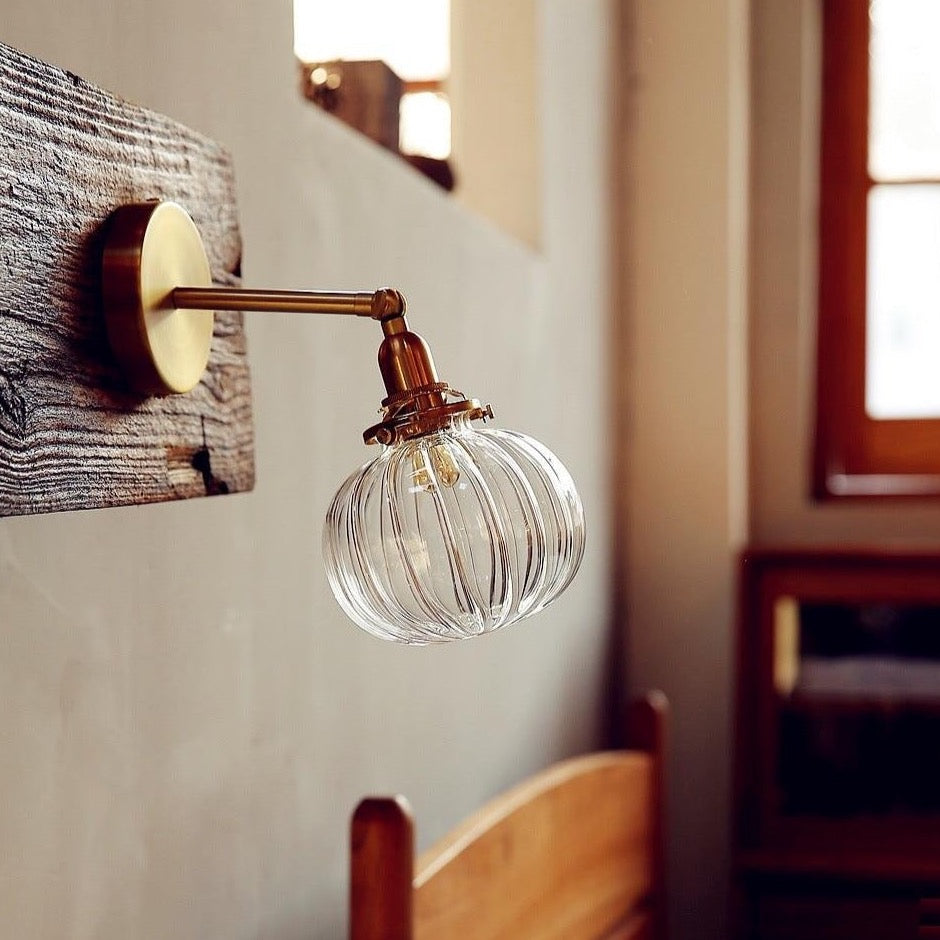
186, 718
684, 120
494, 90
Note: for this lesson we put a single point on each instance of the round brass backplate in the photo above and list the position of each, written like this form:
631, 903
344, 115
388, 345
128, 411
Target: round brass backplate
151, 248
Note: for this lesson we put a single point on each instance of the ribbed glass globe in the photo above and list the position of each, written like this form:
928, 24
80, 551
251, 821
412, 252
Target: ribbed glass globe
453, 534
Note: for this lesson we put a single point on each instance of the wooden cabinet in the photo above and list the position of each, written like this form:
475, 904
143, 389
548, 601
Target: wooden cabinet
832, 911
837, 781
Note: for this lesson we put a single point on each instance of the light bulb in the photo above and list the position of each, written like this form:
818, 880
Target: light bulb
451, 531
434, 467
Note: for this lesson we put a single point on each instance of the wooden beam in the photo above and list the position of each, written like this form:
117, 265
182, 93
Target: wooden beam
72, 435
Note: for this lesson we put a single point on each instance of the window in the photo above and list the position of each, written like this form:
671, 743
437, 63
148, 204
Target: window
382, 68
878, 387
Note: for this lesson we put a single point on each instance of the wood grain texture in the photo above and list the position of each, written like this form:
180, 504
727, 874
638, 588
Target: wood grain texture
72, 436
381, 864
566, 854
573, 852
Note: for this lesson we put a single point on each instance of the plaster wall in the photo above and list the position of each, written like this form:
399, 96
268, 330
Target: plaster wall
186, 717
495, 90
683, 425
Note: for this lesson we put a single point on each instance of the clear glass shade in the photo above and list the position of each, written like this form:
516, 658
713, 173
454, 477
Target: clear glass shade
453, 534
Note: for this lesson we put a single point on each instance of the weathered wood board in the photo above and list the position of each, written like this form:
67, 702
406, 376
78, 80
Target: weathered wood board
72, 435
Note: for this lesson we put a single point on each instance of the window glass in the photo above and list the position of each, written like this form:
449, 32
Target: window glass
904, 125
902, 367
425, 124
411, 36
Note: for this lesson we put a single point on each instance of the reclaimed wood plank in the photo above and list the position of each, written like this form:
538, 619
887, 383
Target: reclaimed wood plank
72, 435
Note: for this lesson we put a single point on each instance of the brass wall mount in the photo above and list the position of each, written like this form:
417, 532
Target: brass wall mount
150, 249
159, 303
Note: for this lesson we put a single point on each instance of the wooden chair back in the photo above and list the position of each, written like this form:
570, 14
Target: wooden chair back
573, 852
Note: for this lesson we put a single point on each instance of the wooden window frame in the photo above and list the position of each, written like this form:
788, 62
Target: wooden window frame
855, 455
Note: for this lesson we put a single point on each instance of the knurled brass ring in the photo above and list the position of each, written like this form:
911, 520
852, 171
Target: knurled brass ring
402, 427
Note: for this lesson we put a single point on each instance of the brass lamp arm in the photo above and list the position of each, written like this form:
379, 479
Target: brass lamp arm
418, 403
381, 305
159, 302
159, 299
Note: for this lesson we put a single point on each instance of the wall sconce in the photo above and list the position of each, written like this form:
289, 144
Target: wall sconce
451, 531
